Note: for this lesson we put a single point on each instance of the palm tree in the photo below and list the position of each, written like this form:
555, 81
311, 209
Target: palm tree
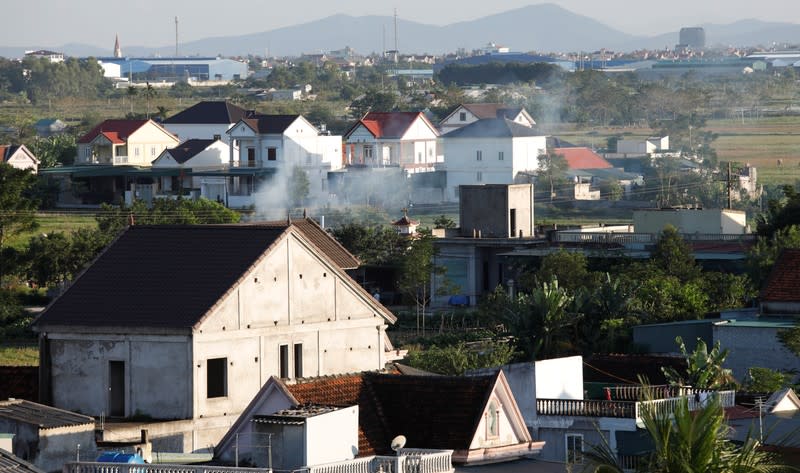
688, 441
149, 93
132, 91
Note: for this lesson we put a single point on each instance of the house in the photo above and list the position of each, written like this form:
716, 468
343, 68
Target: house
44, 435
779, 296
691, 220
187, 323
580, 162
204, 161
18, 156
124, 142
491, 151
643, 147
404, 139
774, 422
52, 56
286, 94
49, 126
205, 120
569, 415
270, 147
476, 417
468, 113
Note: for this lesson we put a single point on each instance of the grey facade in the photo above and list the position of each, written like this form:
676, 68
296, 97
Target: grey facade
497, 210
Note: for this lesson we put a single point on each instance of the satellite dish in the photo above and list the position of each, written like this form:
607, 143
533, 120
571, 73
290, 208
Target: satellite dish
398, 442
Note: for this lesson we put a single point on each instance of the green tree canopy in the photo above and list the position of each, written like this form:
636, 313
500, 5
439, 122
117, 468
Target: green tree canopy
17, 208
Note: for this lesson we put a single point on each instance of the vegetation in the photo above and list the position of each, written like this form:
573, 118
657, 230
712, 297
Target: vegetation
17, 211
703, 368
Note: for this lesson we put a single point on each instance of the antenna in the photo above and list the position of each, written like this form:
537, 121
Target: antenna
396, 51
398, 442
176, 36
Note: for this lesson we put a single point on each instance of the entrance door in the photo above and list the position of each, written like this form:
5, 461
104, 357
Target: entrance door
513, 218
116, 388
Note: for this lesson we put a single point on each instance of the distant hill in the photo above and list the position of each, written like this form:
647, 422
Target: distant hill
542, 28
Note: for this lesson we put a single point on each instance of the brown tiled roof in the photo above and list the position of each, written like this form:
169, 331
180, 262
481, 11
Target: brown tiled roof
484, 110
270, 124
325, 242
430, 411
783, 284
45, 417
392, 125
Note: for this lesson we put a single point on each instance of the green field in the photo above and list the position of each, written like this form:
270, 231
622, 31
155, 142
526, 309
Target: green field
54, 222
19, 355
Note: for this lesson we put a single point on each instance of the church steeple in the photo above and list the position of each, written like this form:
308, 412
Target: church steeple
117, 50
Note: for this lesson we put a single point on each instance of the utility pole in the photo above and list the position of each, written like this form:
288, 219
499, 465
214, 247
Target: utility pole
730, 186
176, 36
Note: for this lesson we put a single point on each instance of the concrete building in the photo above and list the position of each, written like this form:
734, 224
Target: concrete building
688, 221
497, 211
45, 436
124, 142
491, 151
187, 324
642, 147
274, 145
177, 69
202, 163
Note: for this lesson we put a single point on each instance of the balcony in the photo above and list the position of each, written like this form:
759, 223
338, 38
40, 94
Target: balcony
120, 160
629, 409
407, 461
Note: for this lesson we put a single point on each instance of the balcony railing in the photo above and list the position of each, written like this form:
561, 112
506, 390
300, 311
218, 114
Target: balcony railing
93, 467
642, 238
120, 160
630, 409
407, 461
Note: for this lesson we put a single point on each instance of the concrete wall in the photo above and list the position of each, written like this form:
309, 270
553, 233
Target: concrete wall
49, 449
332, 437
188, 131
754, 346
156, 367
691, 221
146, 143
488, 209
559, 378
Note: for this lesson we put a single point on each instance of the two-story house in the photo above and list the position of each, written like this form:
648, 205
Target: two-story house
468, 113
187, 323
205, 120
404, 139
124, 142
491, 151
270, 147
202, 164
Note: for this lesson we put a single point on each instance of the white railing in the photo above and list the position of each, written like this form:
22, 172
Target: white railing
646, 238
407, 461
92, 467
120, 160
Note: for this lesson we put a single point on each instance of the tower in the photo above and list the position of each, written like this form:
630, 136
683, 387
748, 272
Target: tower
117, 50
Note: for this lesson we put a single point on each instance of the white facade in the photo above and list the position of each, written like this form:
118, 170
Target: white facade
707, 221
463, 116
141, 148
416, 150
214, 157
643, 146
200, 131
20, 158
475, 161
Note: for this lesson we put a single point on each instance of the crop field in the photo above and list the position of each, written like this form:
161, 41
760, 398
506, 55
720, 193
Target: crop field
54, 222
19, 355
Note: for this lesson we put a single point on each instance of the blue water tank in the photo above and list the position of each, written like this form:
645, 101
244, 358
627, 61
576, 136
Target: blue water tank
117, 457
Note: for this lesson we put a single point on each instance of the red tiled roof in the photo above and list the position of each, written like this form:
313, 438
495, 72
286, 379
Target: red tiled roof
430, 411
117, 131
389, 124
583, 158
784, 279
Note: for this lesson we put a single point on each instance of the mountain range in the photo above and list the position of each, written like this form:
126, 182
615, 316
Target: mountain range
543, 28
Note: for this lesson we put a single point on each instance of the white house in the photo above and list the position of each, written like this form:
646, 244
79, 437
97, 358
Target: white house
641, 147
19, 156
490, 151
205, 120
275, 145
187, 323
202, 162
124, 142
468, 113
404, 139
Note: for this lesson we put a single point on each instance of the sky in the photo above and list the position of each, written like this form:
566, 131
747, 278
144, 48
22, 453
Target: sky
151, 23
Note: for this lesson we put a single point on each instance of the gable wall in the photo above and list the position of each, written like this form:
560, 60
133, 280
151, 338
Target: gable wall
149, 141
273, 306
21, 160
506, 435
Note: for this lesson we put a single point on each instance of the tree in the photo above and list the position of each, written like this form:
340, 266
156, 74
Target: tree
764, 253
674, 256
55, 150
17, 208
552, 167
443, 221
690, 441
132, 92
455, 360
373, 245
149, 93
570, 269
765, 380
298, 187
703, 368
417, 269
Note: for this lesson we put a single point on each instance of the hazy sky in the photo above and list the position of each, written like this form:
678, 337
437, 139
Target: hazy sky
151, 22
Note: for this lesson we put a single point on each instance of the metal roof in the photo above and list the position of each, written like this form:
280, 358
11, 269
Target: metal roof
45, 417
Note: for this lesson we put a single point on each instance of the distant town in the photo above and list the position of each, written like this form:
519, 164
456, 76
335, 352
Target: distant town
393, 262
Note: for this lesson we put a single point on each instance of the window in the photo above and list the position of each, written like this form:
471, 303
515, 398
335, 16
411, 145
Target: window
298, 360
284, 357
500, 156
87, 152
152, 151
479, 177
574, 448
136, 151
217, 377
368, 152
251, 157
272, 154
462, 116
492, 420
480, 155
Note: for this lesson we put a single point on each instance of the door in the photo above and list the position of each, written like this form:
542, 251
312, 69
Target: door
513, 218
116, 388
